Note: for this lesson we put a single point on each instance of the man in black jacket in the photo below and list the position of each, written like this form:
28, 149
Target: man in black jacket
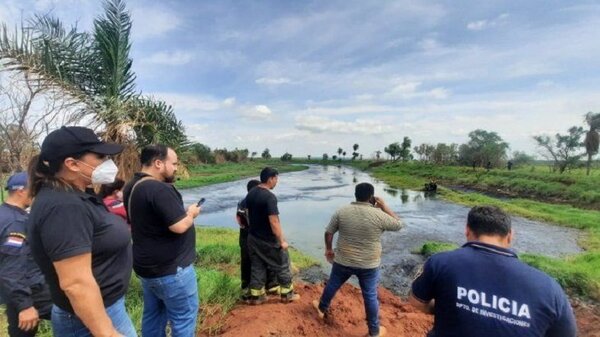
22, 284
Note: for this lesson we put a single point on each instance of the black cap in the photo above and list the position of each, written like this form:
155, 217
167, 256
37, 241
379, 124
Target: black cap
70, 140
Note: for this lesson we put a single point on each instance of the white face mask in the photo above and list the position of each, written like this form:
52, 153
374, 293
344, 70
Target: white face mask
104, 173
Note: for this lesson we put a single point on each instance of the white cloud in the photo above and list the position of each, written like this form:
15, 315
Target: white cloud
409, 90
153, 21
485, 24
257, 112
185, 104
318, 124
274, 81
173, 58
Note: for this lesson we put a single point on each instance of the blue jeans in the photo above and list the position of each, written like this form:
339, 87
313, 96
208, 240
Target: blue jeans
368, 280
172, 298
66, 324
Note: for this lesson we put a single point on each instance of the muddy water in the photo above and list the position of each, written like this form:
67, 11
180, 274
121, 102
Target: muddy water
307, 199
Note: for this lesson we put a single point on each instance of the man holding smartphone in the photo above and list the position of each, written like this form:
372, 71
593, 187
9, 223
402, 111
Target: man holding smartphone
358, 250
164, 245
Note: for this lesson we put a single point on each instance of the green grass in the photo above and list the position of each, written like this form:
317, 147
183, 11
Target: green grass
203, 175
433, 247
573, 187
218, 280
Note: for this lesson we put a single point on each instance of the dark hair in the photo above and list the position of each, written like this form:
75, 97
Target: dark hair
252, 184
364, 191
109, 189
43, 172
267, 173
151, 153
488, 220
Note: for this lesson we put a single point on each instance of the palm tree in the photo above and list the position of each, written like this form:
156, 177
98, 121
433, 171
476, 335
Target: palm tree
591, 137
95, 69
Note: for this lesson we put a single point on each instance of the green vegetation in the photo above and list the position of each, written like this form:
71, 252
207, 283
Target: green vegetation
537, 182
202, 175
218, 280
433, 247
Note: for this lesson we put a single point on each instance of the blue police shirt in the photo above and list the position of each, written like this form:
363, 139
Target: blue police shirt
484, 290
18, 272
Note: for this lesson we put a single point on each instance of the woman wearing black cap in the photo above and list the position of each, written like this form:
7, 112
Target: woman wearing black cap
83, 250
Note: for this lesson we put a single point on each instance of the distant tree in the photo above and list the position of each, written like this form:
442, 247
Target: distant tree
325, 156
393, 150
339, 151
405, 154
591, 137
425, 151
361, 157
334, 157
199, 153
344, 154
355, 154
308, 157
521, 158
377, 154
563, 149
286, 157
254, 153
445, 154
483, 147
266, 154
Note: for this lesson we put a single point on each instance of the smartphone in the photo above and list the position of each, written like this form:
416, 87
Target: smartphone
201, 202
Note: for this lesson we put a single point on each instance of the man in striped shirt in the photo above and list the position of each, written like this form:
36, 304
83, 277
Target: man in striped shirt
358, 250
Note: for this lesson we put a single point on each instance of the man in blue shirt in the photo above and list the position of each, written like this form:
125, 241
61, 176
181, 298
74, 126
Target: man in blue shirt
482, 289
22, 284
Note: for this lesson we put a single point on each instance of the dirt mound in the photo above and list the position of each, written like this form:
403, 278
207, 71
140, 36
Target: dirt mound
275, 319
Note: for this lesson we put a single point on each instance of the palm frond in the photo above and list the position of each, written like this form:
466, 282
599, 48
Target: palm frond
111, 35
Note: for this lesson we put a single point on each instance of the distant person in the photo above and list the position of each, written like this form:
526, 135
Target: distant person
164, 245
509, 165
266, 243
22, 283
83, 250
482, 289
488, 166
358, 250
241, 217
112, 196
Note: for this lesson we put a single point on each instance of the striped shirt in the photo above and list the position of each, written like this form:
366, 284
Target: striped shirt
360, 226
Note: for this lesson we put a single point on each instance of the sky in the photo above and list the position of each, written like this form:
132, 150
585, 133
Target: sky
308, 77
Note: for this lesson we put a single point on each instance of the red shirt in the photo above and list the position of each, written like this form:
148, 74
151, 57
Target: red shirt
116, 206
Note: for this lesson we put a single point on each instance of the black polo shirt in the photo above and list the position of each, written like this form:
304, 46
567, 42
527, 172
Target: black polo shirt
65, 224
261, 203
155, 206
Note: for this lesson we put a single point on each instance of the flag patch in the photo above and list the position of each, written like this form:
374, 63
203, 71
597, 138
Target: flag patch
14, 241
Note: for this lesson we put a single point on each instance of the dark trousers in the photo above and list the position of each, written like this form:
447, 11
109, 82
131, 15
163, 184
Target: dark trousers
246, 266
266, 255
42, 303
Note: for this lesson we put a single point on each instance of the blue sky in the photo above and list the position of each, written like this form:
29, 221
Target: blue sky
311, 76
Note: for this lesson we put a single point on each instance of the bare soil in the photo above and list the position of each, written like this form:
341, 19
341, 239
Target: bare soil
275, 319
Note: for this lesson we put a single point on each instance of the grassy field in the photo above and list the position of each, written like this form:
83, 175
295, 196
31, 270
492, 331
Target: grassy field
531, 182
202, 175
218, 280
